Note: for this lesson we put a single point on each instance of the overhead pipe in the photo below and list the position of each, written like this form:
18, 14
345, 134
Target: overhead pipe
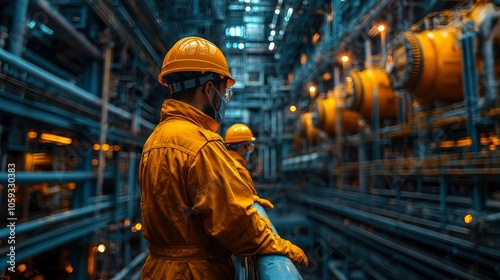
58, 82
29, 226
52, 238
368, 53
146, 5
137, 31
105, 12
487, 31
18, 27
66, 31
24, 177
108, 54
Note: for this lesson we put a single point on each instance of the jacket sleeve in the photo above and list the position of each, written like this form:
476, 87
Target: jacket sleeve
224, 202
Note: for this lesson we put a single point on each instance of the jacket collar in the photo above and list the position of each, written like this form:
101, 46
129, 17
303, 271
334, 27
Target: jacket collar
175, 109
238, 157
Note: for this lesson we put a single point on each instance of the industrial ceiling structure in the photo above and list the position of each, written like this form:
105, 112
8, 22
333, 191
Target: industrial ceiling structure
377, 126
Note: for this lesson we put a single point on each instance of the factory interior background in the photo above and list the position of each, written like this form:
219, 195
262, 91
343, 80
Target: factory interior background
377, 127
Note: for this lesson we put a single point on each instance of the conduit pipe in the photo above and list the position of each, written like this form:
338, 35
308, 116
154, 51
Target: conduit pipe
25, 177
137, 31
70, 88
53, 238
29, 226
66, 31
18, 27
487, 31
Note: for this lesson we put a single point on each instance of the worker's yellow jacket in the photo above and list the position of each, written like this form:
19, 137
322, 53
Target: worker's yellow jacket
196, 209
242, 170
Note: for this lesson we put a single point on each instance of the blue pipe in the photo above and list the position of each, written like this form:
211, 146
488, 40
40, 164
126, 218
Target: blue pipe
53, 238
272, 267
66, 31
23, 177
18, 27
71, 88
125, 272
485, 29
55, 218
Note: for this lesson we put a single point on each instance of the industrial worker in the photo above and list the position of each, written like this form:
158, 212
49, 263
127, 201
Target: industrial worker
196, 208
239, 141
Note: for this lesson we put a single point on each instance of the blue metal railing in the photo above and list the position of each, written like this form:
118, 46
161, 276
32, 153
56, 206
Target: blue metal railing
272, 267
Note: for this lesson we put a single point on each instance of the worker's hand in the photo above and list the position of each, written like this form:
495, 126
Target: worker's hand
298, 256
263, 202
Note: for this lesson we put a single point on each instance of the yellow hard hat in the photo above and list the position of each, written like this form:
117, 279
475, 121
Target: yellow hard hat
238, 133
195, 54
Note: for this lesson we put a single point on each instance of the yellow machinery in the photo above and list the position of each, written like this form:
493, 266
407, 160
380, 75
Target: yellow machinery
360, 90
325, 117
429, 63
307, 130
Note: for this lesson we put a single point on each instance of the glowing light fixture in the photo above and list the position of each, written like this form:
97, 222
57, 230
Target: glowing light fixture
101, 248
21, 268
32, 134
138, 226
47, 137
468, 218
271, 46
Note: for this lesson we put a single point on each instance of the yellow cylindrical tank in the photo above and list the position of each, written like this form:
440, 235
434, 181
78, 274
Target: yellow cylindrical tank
429, 65
307, 129
360, 89
324, 117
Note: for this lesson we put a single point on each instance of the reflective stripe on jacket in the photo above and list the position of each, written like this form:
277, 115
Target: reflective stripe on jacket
195, 206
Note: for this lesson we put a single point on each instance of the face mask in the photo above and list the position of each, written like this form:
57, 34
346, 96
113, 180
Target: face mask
219, 116
249, 151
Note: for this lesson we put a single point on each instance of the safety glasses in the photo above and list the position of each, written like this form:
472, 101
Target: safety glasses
252, 147
228, 94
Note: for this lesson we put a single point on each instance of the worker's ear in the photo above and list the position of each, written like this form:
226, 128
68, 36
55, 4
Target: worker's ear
206, 88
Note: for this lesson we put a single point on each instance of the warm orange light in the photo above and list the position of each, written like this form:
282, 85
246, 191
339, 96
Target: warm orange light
344, 58
447, 144
101, 248
381, 28
464, 142
312, 89
96, 147
55, 139
303, 59
105, 147
21, 268
326, 76
293, 108
126, 222
468, 218
32, 134
95, 161
68, 268
138, 226
315, 38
